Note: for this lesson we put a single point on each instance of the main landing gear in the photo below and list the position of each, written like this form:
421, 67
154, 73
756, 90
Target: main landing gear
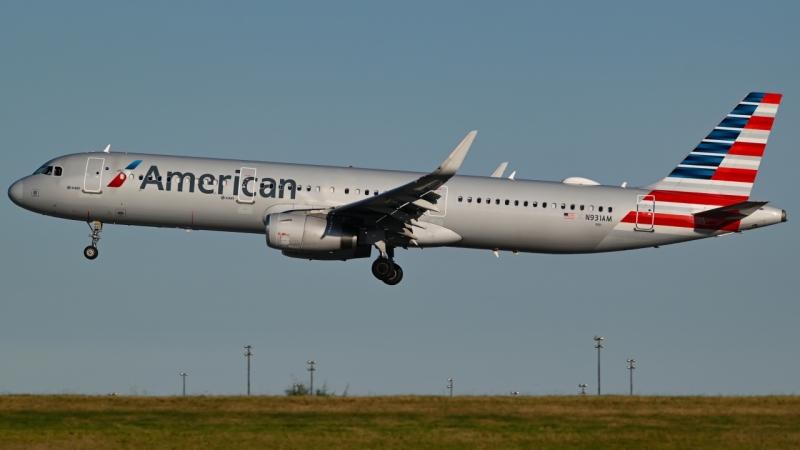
91, 252
385, 269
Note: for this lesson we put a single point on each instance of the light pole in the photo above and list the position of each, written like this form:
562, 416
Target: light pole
583, 388
184, 375
630, 369
311, 371
598, 346
450, 386
248, 353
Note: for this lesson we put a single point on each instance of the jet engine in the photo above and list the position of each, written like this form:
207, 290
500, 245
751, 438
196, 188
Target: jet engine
294, 232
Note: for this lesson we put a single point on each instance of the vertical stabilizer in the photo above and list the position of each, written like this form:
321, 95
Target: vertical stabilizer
724, 165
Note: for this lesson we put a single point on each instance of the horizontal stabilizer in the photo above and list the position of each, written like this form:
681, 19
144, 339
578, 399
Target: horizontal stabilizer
736, 211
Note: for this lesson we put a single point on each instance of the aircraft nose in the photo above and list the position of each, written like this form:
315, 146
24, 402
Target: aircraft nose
15, 192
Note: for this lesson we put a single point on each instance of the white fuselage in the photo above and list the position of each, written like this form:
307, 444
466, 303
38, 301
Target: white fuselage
474, 212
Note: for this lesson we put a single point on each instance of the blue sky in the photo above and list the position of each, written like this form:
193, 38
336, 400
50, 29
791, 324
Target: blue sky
614, 92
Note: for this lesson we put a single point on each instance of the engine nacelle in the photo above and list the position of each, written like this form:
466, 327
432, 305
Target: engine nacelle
299, 232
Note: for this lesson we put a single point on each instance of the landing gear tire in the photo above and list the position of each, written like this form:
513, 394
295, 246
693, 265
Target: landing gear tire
382, 268
396, 276
90, 252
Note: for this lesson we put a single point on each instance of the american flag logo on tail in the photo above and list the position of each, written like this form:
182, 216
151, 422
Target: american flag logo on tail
726, 162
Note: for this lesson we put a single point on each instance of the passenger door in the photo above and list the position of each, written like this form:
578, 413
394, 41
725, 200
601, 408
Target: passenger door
93, 179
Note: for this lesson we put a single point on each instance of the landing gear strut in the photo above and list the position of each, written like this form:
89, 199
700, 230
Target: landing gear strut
91, 251
385, 269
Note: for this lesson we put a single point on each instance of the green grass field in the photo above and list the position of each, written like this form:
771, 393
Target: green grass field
67, 422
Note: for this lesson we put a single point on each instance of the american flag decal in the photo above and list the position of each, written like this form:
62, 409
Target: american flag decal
569, 215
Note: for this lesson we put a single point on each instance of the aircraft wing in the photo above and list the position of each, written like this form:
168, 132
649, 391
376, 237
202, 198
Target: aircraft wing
398, 209
736, 211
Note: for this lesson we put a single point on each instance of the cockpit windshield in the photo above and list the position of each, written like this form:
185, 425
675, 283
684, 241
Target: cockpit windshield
47, 169
43, 168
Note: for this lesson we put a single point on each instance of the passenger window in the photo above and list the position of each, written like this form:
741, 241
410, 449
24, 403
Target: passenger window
469, 199
563, 206
308, 188
366, 192
591, 208
516, 202
141, 177
478, 199
497, 201
535, 204
553, 205
374, 192
600, 208
544, 204
581, 207
488, 200
346, 190
316, 188
331, 190
358, 191
460, 198
57, 171
507, 202
572, 207
525, 204
609, 209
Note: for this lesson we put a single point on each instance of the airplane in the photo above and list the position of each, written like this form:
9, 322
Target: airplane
341, 213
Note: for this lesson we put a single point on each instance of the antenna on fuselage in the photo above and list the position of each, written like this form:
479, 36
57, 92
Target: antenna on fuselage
108, 149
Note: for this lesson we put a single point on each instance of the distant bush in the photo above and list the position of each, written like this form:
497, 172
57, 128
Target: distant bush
299, 389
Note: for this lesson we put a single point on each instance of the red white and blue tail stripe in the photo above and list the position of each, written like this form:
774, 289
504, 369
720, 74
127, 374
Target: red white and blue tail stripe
726, 162
718, 173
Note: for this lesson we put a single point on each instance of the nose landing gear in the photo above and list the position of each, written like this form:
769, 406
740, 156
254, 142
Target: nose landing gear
385, 269
91, 251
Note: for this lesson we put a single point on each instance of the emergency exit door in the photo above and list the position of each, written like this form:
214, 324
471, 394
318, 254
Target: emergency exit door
645, 212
